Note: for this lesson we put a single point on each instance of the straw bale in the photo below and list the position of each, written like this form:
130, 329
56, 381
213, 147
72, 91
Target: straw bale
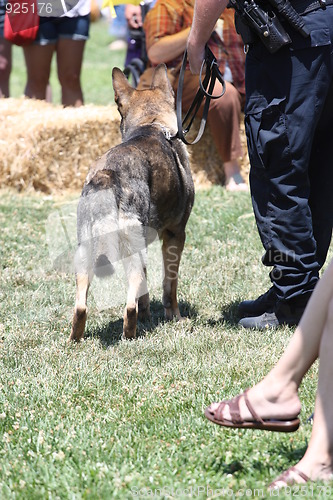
50, 148
206, 164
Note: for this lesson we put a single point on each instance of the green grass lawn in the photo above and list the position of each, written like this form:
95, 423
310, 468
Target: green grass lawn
115, 419
119, 419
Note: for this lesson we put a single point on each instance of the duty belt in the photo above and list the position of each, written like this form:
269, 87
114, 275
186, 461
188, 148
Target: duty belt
305, 6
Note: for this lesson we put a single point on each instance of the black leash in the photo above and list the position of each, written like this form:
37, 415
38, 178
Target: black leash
208, 82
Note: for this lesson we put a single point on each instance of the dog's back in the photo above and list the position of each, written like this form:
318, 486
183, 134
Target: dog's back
138, 187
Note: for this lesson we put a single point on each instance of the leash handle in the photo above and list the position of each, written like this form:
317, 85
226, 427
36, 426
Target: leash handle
212, 74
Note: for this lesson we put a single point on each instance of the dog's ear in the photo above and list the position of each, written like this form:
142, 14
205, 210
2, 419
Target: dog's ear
160, 79
122, 89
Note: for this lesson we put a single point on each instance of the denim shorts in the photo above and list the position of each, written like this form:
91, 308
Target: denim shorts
53, 28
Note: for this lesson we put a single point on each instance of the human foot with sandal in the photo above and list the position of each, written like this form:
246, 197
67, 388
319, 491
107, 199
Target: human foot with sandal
253, 410
273, 403
311, 468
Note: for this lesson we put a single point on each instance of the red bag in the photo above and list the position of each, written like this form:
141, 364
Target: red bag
21, 21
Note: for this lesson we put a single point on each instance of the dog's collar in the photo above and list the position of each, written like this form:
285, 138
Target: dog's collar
166, 132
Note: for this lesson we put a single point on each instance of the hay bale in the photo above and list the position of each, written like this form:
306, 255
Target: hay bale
206, 164
50, 148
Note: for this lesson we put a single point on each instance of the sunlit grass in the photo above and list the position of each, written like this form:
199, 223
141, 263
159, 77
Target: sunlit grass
115, 419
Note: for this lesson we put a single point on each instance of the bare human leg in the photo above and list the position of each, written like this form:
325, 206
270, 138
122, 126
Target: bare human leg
233, 178
317, 463
276, 395
224, 124
5, 66
69, 62
38, 60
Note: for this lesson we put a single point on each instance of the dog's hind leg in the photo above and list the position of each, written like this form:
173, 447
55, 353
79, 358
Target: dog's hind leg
172, 249
83, 277
136, 281
137, 289
131, 311
80, 311
137, 293
133, 250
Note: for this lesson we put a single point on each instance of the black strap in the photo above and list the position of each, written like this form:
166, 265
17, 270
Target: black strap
208, 82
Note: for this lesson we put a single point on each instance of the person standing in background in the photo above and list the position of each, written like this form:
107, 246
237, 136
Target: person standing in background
167, 26
134, 16
118, 28
63, 33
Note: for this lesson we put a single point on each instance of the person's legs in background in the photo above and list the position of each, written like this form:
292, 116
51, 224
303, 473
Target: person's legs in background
66, 36
5, 66
224, 125
69, 63
73, 33
38, 60
5, 55
118, 29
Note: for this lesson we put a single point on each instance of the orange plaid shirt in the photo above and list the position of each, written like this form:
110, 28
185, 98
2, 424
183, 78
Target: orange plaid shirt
168, 17
235, 50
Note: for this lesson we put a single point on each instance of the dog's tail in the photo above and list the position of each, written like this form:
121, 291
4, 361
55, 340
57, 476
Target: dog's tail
98, 249
108, 235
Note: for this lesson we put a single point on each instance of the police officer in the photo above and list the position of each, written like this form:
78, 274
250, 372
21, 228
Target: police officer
289, 124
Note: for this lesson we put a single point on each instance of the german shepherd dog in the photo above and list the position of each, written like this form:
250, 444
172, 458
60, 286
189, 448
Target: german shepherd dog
142, 186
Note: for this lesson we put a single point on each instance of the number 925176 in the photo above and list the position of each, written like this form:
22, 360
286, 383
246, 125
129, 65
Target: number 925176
41, 8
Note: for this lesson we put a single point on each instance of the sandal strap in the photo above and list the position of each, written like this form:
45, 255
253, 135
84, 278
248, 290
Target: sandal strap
234, 411
288, 477
235, 417
251, 409
218, 413
300, 474
233, 405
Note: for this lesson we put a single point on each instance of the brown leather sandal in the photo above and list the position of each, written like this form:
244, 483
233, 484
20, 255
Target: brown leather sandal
288, 425
288, 478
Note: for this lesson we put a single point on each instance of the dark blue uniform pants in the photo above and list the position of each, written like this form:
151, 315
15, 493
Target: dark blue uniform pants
289, 126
